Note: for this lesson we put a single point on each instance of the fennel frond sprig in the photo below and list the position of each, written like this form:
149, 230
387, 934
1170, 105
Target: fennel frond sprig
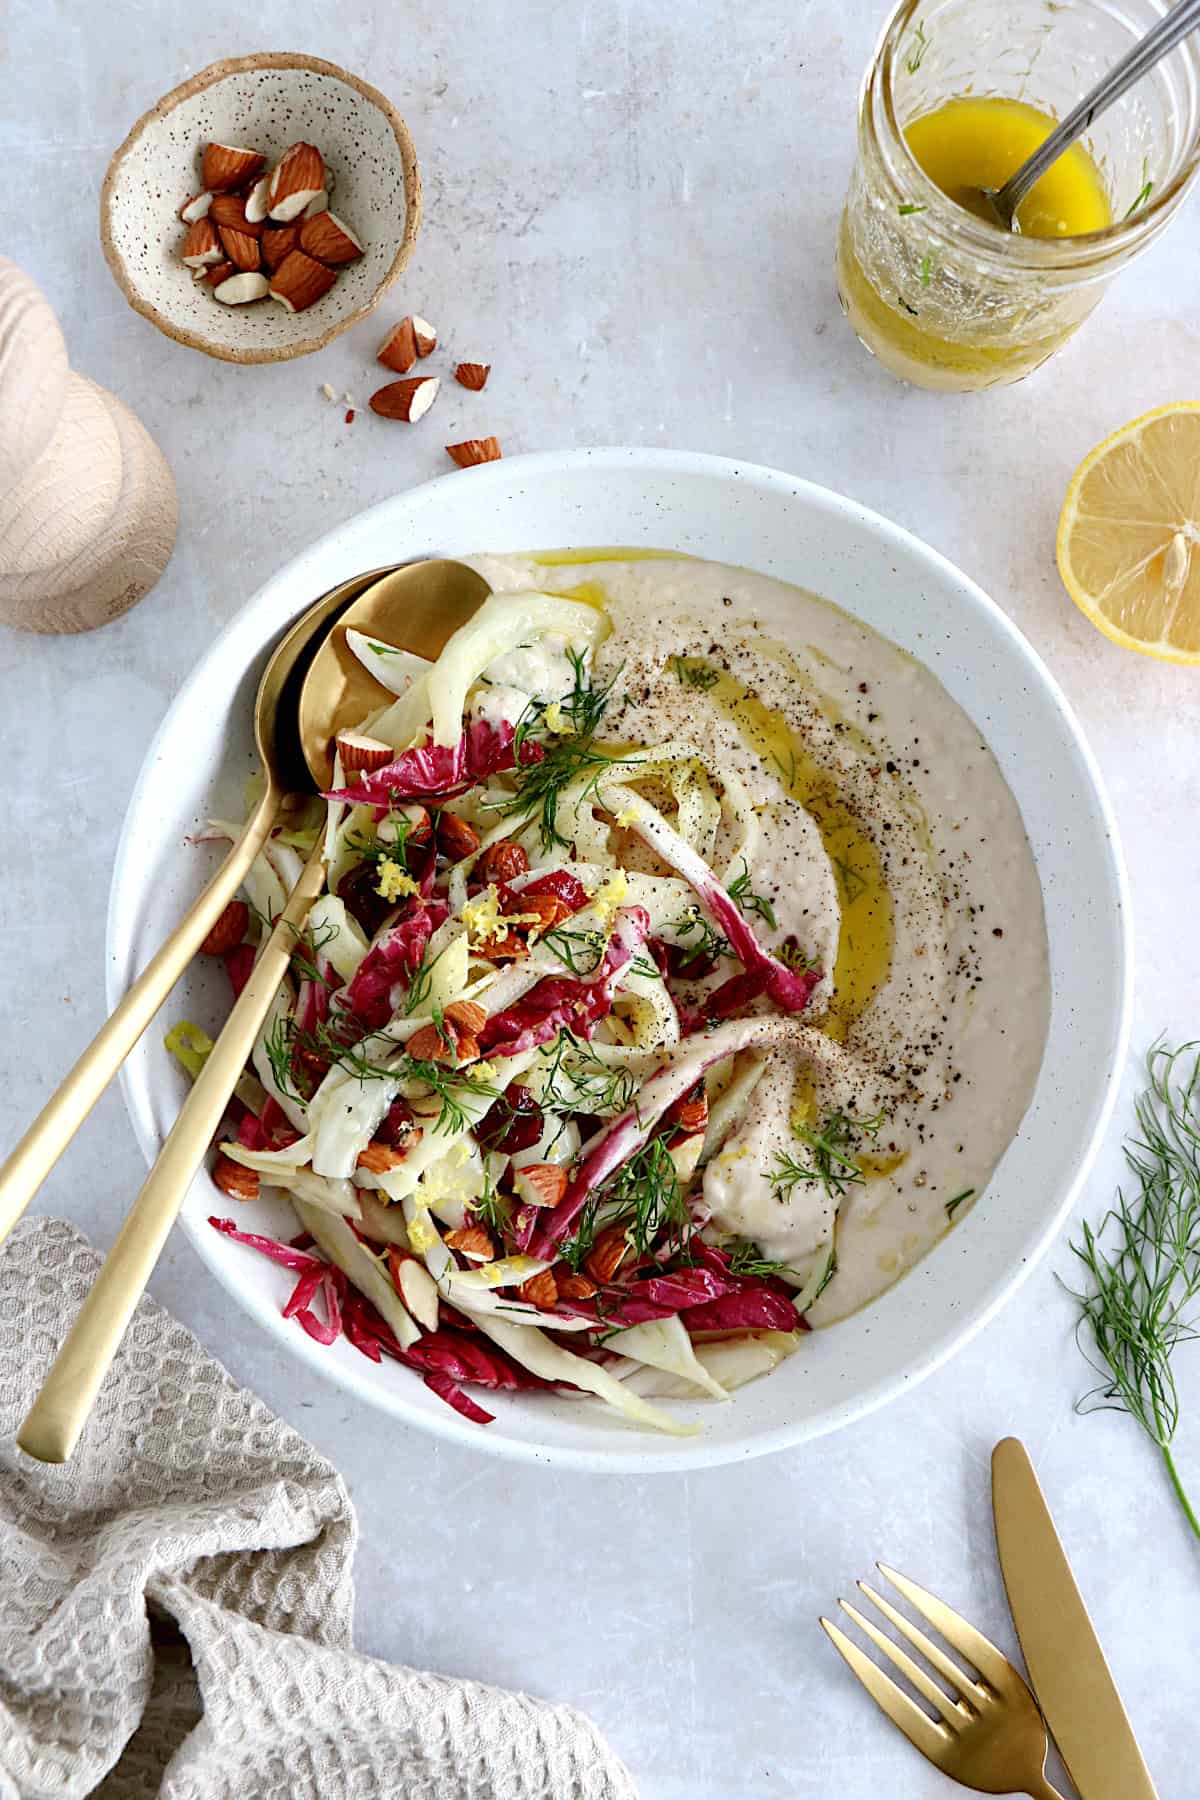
1142, 1299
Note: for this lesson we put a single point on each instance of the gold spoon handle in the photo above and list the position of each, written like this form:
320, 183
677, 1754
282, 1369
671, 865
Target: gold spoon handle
24, 1171
57, 1415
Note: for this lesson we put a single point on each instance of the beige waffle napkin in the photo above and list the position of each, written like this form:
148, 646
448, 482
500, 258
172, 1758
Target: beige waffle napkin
175, 1602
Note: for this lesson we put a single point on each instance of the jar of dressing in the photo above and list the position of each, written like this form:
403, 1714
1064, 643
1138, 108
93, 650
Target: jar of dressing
957, 94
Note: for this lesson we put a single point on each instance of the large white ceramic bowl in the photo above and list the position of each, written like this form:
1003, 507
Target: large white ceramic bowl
785, 527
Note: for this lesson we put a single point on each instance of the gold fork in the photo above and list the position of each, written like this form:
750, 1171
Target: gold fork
990, 1735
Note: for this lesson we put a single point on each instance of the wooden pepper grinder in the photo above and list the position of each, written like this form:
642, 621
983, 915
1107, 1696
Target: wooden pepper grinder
87, 503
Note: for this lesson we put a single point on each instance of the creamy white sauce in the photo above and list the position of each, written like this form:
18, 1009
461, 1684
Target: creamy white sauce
947, 1045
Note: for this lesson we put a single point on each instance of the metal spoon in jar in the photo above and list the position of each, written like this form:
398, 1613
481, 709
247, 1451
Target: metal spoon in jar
304, 699
1000, 205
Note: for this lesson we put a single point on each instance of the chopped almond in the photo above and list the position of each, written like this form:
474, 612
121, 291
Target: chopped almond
473, 1242
235, 1179
571, 1286
502, 862
540, 1184
228, 931
398, 350
607, 1254
472, 375
465, 1016
379, 1158
473, 451
540, 1290
455, 837
429, 1045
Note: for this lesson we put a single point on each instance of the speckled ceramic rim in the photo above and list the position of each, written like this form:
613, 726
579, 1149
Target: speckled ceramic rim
218, 71
402, 527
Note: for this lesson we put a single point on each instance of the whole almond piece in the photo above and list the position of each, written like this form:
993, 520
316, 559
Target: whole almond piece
472, 375
228, 166
409, 400
201, 246
326, 237
241, 247
300, 281
217, 274
398, 350
242, 288
473, 451
277, 242
298, 177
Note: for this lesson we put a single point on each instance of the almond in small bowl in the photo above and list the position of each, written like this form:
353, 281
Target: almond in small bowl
233, 124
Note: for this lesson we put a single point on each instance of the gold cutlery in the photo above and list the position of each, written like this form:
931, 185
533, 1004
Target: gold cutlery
28, 1165
304, 699
1064, 1658
988, 1733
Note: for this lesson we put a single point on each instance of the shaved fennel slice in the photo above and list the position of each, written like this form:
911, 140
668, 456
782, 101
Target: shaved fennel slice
731, 1362
433, 1144
287, 863
341, 1246
392, 668
664, 1344
502, 622
270, 1162
344, 1115
337, 1198
474, 1298
294, 1108
402, 724
698, 816
382, 1222
334, 812
264, 889
536, 1352
726, 1108
822, 1272
337, 935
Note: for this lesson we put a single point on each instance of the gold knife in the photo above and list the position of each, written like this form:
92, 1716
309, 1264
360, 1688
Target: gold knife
1071, 1679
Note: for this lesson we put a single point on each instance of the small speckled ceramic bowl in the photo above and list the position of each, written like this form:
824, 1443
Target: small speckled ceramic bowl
268, 102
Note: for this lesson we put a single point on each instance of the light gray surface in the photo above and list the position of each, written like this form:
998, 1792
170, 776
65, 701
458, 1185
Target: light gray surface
630, 212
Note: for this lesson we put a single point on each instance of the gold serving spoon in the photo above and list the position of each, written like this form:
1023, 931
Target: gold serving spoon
31, 1161
308, 679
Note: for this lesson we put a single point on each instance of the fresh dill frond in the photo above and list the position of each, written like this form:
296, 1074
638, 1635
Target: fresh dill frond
309, 944
952, 1206
852, 884
1143, 193
792, 957
644, 1198
739, 891
691, 672
451, 1087
746, 1258
906, 207
646, 965
916, 54
709, 943
581, 951
587, 1083
567, 755
833, 1164
1141, 1301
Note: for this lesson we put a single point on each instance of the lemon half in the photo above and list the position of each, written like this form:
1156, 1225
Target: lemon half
1129, 534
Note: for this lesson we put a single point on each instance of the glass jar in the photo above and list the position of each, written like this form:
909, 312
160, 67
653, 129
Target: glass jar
945, 299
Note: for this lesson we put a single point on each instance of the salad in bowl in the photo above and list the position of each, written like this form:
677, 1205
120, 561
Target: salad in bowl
579, 1081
